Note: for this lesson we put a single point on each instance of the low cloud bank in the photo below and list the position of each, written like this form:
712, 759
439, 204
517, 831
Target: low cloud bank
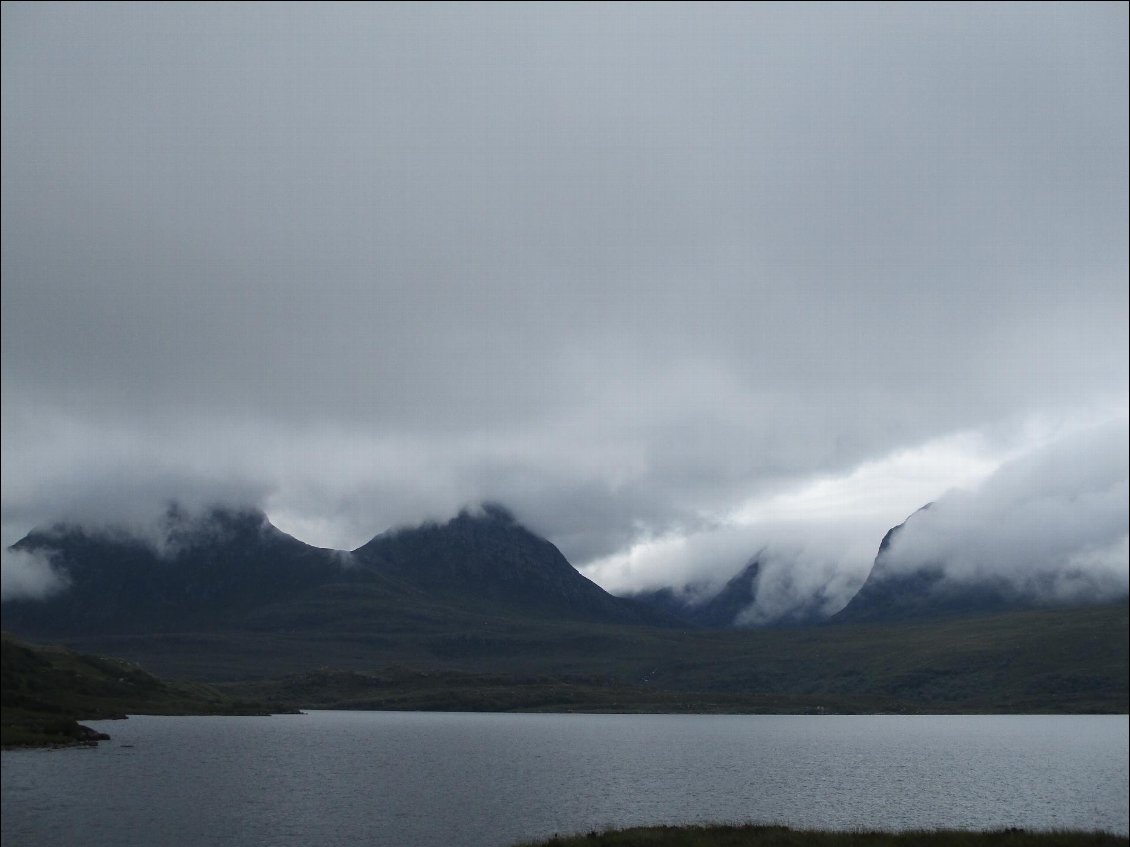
1051, 525
798, 584
806, 570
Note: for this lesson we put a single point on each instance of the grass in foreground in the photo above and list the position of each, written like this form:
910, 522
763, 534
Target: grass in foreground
755, 835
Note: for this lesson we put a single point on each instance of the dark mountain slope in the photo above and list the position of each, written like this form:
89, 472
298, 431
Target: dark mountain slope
491, 561
211, 570
724, 609
232, 570
719, 610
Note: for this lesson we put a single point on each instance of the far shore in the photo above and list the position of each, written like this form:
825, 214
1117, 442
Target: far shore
762, 835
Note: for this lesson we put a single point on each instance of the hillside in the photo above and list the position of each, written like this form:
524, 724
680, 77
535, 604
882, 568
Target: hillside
490, 560
197, 572
1056, 660
46, 690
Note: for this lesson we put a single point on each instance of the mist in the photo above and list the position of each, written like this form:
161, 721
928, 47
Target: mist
28, 575
1052, 525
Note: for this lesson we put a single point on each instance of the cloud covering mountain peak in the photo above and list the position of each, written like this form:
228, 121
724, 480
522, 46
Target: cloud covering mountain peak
633, 270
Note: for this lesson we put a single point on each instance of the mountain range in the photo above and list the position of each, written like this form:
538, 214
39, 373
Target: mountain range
231, 568
480, 612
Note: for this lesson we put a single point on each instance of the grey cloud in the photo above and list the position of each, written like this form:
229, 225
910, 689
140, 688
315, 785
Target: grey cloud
799, 584
702, 191
94, 473
619, 266
806, 568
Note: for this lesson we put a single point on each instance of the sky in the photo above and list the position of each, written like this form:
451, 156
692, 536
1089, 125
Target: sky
677, 284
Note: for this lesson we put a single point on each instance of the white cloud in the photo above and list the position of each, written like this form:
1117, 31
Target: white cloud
1052, 522
24, 574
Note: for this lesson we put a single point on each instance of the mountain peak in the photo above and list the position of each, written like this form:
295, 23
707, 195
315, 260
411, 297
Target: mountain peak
171, 532
222, 566
484, 556
186, 568
494, 512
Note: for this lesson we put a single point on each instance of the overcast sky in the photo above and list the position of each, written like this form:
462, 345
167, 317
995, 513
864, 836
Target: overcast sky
676, 283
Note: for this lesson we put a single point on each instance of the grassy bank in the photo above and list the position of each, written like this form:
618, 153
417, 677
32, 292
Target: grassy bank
779, 836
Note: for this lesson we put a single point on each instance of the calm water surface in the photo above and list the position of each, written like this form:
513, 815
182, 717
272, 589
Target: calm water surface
428, 779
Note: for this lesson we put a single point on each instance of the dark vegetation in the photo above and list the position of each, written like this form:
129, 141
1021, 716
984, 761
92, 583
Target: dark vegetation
47, 690
779, 836
1062, 660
